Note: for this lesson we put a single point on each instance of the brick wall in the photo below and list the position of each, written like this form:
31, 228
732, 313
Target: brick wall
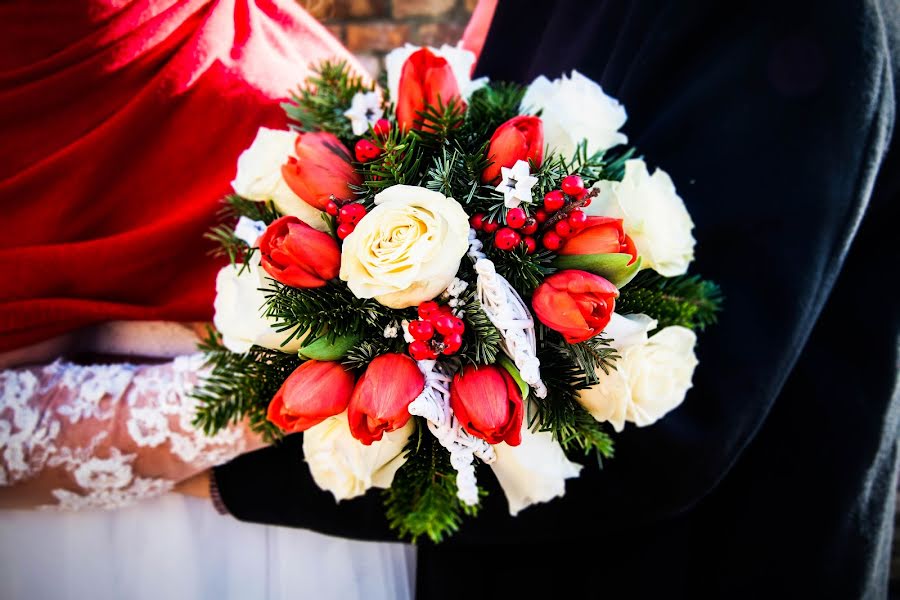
372, 28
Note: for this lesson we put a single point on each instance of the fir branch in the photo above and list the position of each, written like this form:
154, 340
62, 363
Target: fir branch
456, 174
590, 355
493, 105
234, 207
332, 310
320, 105
481, 340
400, 162
422, 499
524, 271
365, 351
435, 124
240, 386
686, 300
560, 413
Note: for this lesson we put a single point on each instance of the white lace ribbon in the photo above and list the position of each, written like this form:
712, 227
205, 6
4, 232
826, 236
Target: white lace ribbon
434, 405
510, 315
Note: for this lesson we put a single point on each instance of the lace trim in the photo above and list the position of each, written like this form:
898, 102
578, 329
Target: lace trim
94, 422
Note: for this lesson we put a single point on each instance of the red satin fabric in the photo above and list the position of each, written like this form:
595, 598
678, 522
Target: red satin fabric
121, 125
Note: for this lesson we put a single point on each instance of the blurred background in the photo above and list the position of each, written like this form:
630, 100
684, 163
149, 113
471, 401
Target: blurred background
372, 28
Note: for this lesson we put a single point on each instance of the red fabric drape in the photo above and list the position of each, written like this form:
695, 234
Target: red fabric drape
121, 124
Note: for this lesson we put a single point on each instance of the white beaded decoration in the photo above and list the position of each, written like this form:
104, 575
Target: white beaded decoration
434, 405
508, 312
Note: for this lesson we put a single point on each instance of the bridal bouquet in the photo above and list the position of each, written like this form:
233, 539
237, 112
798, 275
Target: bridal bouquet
442, 273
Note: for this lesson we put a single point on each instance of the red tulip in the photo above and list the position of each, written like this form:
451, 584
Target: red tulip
577, 304
520, 138
382, 395
488, 404
321, 169
312, 393
297, 255
425, 80
600, 235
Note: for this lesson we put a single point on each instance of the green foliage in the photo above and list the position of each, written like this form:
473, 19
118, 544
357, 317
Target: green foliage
436, 124
590, 355
332, 310
493, 105
456, 173
400, 163
524, 271
481, 340
320, 105
234, 207
363, 353
239, 386
560, 412
422, 498
686, 300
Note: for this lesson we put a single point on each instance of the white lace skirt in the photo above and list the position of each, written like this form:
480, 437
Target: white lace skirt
176, 547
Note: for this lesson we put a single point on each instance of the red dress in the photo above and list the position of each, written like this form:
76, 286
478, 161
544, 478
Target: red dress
121, 125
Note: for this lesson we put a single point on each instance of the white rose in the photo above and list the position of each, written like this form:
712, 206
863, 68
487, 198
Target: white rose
654, 216
573, 109
407, 249
340, 464
460, 60
534, 471
239, 311
259, 176
651, 378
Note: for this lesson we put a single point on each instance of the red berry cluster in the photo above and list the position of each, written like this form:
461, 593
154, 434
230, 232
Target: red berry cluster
437, 331
366, 150
520, 229
561, 215
348, 215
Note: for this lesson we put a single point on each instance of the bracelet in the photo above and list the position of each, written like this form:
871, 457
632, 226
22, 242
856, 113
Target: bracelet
216, 496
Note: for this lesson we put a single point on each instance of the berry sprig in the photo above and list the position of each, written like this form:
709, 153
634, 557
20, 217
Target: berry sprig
520, 229
348, 214
561, 215
366, 150
436, 331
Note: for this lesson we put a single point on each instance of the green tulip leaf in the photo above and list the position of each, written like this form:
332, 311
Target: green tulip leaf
510, 367
613, 267
325, 349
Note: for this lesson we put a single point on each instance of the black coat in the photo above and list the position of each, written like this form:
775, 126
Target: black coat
775, 478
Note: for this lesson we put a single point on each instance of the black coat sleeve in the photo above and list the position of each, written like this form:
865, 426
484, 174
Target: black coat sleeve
773, 123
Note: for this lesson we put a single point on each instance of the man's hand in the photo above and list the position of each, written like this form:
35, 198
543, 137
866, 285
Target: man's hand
197, 485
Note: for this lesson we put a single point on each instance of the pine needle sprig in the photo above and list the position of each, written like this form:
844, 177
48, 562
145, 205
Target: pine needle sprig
436, 124
493, 105
400, 163
590, 355
364, 352
332, 311
227, 243
685, 300
422, 499
560, 413
481, 340
524, 271
320, 105
240, 386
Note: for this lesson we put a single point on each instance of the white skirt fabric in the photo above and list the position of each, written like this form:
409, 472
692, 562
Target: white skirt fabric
176, 547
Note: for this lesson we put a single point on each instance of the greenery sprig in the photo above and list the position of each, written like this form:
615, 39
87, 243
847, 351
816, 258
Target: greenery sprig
422, 499
686, 300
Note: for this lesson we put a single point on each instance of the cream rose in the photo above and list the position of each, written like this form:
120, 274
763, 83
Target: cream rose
651, 378
407, 249
346, 468
259, 176
239, 311
654, 216
534, 471
460, 60
573, 109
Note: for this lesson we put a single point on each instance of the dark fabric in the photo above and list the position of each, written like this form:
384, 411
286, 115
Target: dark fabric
776, 476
